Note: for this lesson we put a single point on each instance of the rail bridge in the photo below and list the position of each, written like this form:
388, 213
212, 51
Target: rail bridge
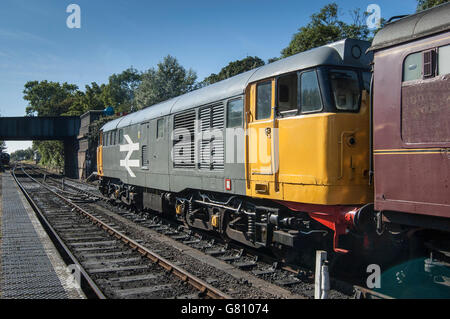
72, 130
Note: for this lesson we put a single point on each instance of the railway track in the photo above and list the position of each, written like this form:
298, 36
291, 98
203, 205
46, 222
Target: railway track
294, 279
111, 264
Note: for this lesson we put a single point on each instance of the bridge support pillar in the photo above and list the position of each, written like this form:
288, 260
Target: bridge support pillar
71, 158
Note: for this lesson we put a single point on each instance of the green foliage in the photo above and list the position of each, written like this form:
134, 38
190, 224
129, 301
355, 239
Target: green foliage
52, 153
119, 92
169, 80
428, 4
89, 100
324, 28
274, 59
19, 155
48, 98
2, 145
234, 68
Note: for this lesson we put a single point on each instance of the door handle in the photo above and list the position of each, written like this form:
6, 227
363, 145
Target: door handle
268, 131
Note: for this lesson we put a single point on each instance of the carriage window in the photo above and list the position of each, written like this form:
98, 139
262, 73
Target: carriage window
346, 91
234, 113
263, 100
160, 128
287, 93
412, 67
444, 60
310, 93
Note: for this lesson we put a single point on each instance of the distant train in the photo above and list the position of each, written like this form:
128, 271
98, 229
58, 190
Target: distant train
321, 150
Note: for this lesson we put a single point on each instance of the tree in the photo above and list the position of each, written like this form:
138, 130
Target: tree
20, 155
2, 145
119, 92
48, 98
324, 28
427, 4
89, 100
169, 80
234, 68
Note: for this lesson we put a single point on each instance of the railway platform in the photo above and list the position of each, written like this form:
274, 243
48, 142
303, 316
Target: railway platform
30, 265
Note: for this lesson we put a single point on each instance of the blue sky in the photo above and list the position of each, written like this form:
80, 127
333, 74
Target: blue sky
36, 44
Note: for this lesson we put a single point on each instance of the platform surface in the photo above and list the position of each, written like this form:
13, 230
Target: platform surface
30, 265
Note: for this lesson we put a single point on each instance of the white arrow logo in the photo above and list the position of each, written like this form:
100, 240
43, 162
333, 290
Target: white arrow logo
130, 148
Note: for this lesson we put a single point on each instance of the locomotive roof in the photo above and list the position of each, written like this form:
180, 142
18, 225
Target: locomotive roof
337, 53
412, 27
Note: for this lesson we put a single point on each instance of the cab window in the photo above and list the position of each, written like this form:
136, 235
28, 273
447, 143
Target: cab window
345, 89
287, 94
310, 99
263, 100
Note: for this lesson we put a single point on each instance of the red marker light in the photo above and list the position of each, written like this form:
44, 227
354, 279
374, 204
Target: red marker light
228, 184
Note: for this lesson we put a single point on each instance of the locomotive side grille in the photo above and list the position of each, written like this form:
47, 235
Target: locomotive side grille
218, 147
205, 149
211, 118
183, 144
145, 160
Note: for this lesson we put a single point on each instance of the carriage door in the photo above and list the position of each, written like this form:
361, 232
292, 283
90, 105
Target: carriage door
262, 165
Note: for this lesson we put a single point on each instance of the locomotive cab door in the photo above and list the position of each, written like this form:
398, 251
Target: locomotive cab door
262, 141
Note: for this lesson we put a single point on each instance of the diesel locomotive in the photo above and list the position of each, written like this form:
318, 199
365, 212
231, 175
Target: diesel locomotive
344, 147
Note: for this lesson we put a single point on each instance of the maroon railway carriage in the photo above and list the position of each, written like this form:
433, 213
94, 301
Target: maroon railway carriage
411, 131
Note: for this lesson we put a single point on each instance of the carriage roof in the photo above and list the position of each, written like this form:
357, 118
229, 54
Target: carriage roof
413, 27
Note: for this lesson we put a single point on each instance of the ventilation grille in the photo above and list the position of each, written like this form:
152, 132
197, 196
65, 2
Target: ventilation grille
183, 141
145, 160
428, 64
211, 145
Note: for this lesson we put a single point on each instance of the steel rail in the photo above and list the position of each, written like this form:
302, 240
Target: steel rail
79, 190
86, 283
362, 292
368, 293
185, 276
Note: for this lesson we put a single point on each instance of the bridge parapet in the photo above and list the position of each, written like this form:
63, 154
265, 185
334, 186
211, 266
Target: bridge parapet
39, 128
